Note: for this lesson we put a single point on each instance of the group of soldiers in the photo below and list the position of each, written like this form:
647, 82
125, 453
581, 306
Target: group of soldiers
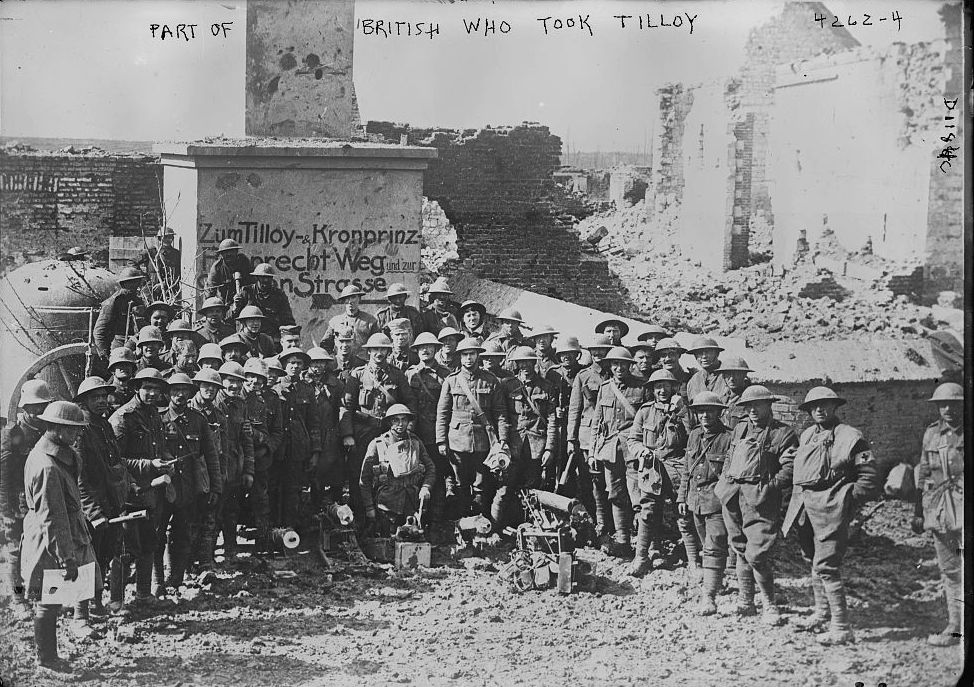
439, 412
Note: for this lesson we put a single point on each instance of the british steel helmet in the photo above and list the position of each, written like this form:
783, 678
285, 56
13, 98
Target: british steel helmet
379, 340
522, 353
292, 352
396, 289
426, 339
568, 344
64, 413
662, 376
471, 343
703, 343
707, 399
35, 391
210, 351
149, 334
122, 354
493, 349
273, 363
317, 353
447, 332
473, 305
600, 341
208, 376
948, 391
181, 379
130, 274
734, 364
251, 312
546, 330
653, 331
756, 393
92, 384
232, 369
669, 344
439, 287
227, 244
165, 231
623, 327
211, 303
821, 393
510, 315
398, 409
254, 366
232, 340
349, 291
150, 375
620, 354
263, 270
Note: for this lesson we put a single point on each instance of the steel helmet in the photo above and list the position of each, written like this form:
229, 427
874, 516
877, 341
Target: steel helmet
707, 399
653, 331
471, 343
439, 286
35, 391
398, 409
210, 351
212, 303
948, 391
291, 352
122, 354
821, 393
161, 305
165, 231
263, 270
662, 376
493, 349
641, 346
702, 343
600, 341
232, 340
511, 315
149, 334
150, 375
317, 353
182, 327
755, 394
379, 340
181, 379
447, 332
396, 289
600, 327
251, 312
274, 364
130, 274
734, 364
568, 345
92, 384
345, 334
426, 339
64, 413
473, 305
522, 353
232, 369
669, 345
255, 366
208, 376
619, 353
349, 291
542, 331
227, 244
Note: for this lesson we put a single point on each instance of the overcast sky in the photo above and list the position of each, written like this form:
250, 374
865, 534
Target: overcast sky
93, 70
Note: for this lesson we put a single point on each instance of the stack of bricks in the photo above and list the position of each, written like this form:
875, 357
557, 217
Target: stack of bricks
53, 201
513, 221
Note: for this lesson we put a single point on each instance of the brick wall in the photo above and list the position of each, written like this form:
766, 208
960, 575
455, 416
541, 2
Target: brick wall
513, 221
54, 201
891, 415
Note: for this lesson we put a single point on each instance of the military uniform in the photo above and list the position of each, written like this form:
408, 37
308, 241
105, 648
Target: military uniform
611, 422
755, 478
336, 425
706, 380
403, 360
17, 441
707, 450
546, 363
343, 365
120, 395
260, 346
216, 419
426, 382
362, 325
449, 361
369, 392
434, 320
264, 412
103, 483
533, 403
219, 280
393, 473
391, 312
197, 472
214, 334
734, 413
141, 439
581, 413
465, 433
112, 322
302, 437
239, 452
562, 378
482, 331
273, 303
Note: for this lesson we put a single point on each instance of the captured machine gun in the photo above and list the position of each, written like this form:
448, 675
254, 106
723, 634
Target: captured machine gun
336, 533
545, 552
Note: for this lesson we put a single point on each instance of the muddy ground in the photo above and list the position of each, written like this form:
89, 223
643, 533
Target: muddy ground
457, 624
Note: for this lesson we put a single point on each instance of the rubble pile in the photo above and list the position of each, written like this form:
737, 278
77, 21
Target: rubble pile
759, 303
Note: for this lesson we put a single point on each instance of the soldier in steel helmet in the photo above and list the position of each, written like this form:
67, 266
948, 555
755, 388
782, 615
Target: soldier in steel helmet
473, 320
121, 370
354, 320
209, 384
239, 452
328, 480
533, 401
264, 413
212, 323
834, 473
148, 348
397, 294
120, 312
658, 440
264, 293
251, 323
707, 450
230, 272
668, 353
542, 340
734, 370
613, 328
572, 475
708, 378
397, 475
940, 482
642, 360
18, 438
162, 262
439, 314
426, 379
447, 355
755, 481
55, 531
508, 333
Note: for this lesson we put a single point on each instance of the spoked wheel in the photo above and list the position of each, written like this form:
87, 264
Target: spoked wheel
63, 368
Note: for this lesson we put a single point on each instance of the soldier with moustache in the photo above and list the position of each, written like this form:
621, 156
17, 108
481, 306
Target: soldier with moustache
345, 359
447, 356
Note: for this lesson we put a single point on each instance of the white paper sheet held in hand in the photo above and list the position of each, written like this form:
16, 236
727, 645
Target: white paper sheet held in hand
57, 591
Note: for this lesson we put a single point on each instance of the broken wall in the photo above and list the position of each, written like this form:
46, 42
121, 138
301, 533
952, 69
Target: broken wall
53, 201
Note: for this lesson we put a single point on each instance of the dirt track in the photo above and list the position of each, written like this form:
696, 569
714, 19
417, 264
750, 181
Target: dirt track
461, 626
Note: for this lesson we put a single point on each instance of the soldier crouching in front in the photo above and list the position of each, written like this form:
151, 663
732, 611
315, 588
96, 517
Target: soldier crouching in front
834, 473
707, 448
397, 475
471, 416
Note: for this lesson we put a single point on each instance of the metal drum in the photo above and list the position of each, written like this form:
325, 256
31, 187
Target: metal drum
45, 305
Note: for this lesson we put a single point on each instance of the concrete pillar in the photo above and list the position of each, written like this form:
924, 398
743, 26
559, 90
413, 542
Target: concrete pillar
321, 214
299, 68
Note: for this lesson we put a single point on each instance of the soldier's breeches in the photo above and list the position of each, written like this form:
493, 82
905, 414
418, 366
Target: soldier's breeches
140, 542
824, 551
10, 567
751, 532
181, 520
615, 478
468, 467
950, 559
105, 541
712, 533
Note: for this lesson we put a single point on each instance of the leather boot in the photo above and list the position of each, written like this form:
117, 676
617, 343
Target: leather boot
770, 614
177, 570
839, 631
712, 580
745, 588
143, 577
45, 641
642, 564
820, 616
158, 570
951, 635
116, 582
